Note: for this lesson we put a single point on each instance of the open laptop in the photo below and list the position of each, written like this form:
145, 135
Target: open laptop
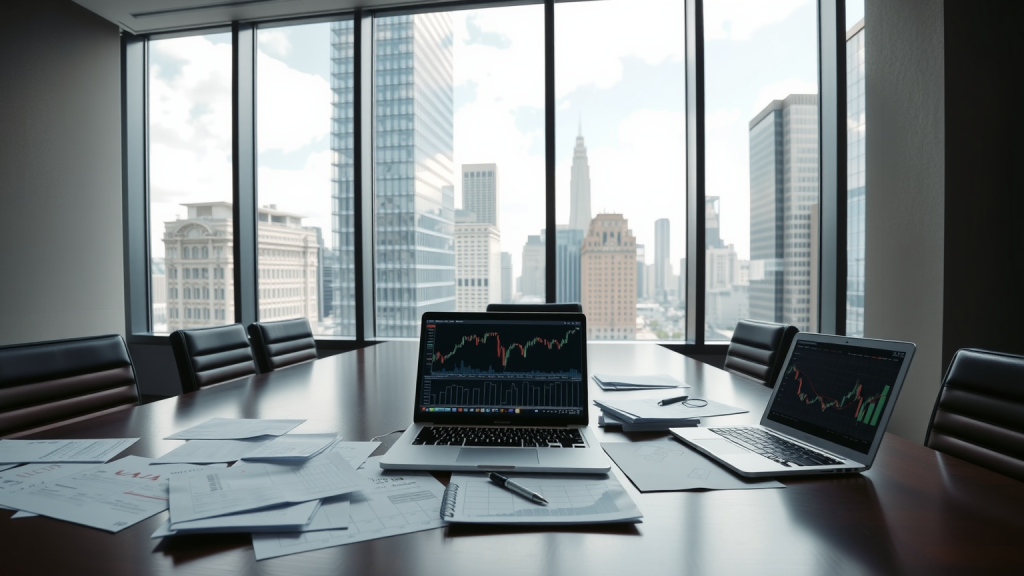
827, 413
500, 391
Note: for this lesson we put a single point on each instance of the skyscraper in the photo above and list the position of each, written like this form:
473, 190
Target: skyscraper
567, 258
608, 271
855, 191
579, 187
480, 191
640, 265
662, 260
413, 174
533, 281
477, 263
343, 273
506, 277
783, 192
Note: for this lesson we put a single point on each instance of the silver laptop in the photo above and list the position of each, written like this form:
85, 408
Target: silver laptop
500, 391
827, 413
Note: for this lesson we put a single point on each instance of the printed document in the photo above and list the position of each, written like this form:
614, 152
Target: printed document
292, 447
648, 409
250, 486
571, 500
355, 453
235, 429
110, 496
212, 451
80, 451
398, 503
276, 519
636, 382
668, 465
33, 474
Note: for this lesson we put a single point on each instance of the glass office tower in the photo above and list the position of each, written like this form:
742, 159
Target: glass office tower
342, 260
855, 196
414, 194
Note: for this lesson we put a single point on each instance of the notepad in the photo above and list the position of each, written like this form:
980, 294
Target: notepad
573, 499
637, 382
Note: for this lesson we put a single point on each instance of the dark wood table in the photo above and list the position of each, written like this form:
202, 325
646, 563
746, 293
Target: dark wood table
916, 511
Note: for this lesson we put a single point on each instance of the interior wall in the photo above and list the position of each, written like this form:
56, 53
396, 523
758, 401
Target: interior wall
905, 209
984, 234
61, 265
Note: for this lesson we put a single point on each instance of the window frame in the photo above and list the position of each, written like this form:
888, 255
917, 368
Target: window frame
135, 170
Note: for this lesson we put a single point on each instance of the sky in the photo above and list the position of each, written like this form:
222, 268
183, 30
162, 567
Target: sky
620, 77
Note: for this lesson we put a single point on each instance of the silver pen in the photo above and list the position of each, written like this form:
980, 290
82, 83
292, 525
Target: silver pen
514, 486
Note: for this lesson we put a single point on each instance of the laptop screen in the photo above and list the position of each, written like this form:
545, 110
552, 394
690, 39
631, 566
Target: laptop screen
836, 392
498, 367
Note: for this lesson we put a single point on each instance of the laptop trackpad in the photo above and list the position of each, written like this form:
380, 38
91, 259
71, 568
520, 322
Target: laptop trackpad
720, 447
503, 457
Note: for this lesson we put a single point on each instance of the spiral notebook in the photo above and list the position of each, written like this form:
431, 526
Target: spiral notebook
575, 499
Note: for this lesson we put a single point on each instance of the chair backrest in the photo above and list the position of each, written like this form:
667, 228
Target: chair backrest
208, 356
979, 414
559, 307
46, 384
280, 344
758, 349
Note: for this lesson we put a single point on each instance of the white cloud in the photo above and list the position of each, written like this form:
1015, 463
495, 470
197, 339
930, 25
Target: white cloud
739, 19
305, 191
293, 108
275, 42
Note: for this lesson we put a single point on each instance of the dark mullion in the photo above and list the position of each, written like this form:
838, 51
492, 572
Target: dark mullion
362, 172
695, 241
832, 170
550, 246
134, 193
243, 167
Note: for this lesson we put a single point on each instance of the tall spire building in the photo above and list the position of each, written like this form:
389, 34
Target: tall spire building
579, 187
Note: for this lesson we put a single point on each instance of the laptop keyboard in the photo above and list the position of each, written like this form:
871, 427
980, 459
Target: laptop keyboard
479, 436
774, 448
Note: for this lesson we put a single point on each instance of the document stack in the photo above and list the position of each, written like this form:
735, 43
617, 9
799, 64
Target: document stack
653, 415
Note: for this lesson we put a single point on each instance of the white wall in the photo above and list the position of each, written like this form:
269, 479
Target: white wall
61, 262
904, 275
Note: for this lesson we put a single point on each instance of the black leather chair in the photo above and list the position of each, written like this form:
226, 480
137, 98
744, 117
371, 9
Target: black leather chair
559, 307
758, 348
280, 344
208, 356
979, 414
46, 384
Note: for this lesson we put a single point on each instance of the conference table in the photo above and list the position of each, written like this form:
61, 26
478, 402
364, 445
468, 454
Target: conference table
916, 511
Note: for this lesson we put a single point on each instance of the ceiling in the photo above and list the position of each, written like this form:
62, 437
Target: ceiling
148, 16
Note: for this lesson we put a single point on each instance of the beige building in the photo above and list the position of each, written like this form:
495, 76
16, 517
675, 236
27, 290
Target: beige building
198, 256
477, 264
608, 271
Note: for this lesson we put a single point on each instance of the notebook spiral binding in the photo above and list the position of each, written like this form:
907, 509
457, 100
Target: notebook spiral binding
451, 494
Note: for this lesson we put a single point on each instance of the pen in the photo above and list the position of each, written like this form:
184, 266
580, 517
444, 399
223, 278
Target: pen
668, 401
504, 482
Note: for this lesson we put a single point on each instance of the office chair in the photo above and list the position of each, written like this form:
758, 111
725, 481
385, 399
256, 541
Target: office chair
559, 307
46, 384
979, 414
758, 349
280, 344
208, 356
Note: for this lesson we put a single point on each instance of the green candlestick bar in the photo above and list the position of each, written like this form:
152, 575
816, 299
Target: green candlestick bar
878, 409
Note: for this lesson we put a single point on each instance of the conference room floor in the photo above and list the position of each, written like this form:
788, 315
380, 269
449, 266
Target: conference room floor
916, 511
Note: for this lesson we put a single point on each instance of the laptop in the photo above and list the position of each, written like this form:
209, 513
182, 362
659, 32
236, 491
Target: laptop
827, 412
500, 391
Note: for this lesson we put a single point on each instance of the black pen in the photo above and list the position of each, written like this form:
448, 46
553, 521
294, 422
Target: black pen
504, 482
668, 401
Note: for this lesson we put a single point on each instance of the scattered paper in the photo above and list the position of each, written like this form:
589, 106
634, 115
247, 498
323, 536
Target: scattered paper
15, 480
8, 466
250, 486
235, 429
668, 465
649, 410
276, 519
571, 500
110, 496
292, 447
212, 451
80, 451
398, 503
637, 382
355, 453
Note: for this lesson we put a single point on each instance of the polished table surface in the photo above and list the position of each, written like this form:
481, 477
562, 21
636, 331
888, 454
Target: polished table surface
916, 511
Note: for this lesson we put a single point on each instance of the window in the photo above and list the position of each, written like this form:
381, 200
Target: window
621, 106
189, 154
761, 149
454, 119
